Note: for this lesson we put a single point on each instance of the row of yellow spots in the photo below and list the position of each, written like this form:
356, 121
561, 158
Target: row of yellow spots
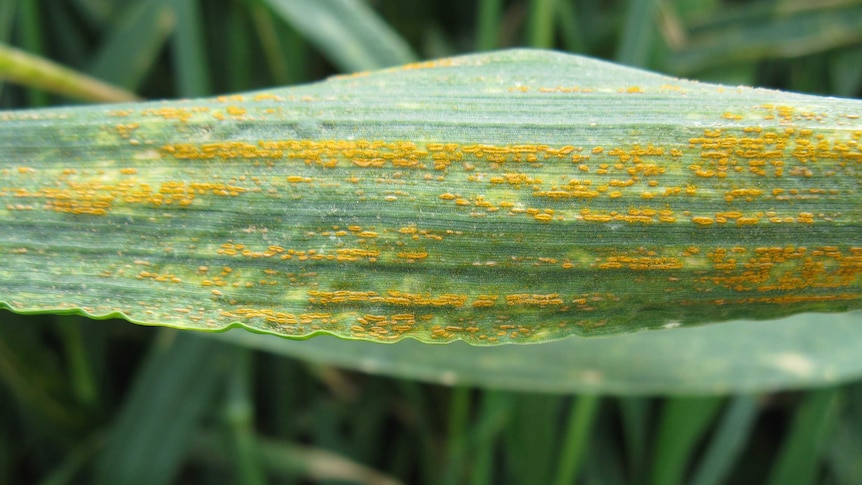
376, 154
630, 163
86, 199
448, 332
98, 198
274, 251
174, 113
316, 321
383, 327
393, 327
222, 150
185, 114
650, 216
386, 327
541, 215
527, 299
771, 216
725, 153
450, 300
632, 216
390, 298
183, 193
822, 267
640, 263
158, 277
787, 114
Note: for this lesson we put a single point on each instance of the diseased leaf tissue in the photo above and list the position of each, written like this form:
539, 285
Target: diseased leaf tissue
518, 196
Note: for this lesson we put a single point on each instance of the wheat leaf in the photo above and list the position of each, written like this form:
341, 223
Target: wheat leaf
516, 196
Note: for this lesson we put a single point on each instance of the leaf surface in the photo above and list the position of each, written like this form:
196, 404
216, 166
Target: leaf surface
516, 196
744, 356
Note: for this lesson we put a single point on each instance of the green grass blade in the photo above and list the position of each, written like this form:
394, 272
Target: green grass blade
279, 60
727, 445
75, 461
21, 67
152, 432
27, 384
78, 361
846, 72
239, 415
605, 463
799, 460
98, 11
456, 445
635, 418
526, 438
241, 52
540, 30
348, 32
7, 21
188, 46
638, 33
569, 24
844, 446
7, 18
843, 455
488, 24
495, 412
757, 31
577, 435
134, 43
684, 421
289, 461
29, 18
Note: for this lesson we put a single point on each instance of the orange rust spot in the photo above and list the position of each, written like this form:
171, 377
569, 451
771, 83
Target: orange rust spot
412, 255
552, 299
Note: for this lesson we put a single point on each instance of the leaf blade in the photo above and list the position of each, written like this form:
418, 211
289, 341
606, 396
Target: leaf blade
348, 32
536, 205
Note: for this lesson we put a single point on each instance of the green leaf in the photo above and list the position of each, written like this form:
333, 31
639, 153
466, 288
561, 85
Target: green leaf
844, 447
188, 45
488, 16
734, 357
517, 196
727, 444
762, 31
580, 425
287, 460
540, 31
684, 421
168, 400
135, 42
21, 67
799, 458
638, 33
348, 32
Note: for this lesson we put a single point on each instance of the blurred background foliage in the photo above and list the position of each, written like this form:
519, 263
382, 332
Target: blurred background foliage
109, 402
